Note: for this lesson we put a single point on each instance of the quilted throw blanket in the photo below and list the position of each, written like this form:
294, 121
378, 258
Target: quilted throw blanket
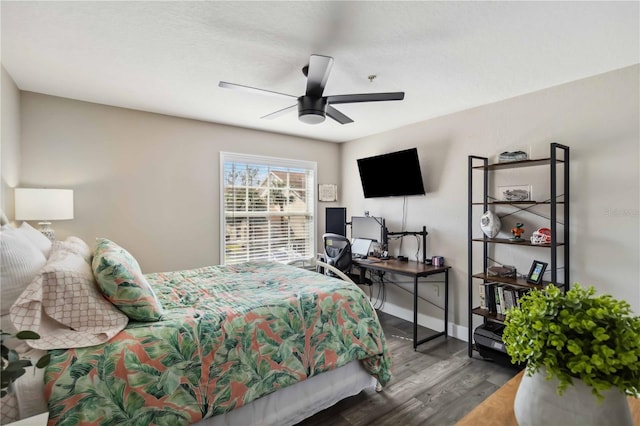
230, 334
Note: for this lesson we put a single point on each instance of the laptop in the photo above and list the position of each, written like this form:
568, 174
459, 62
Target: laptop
360, 248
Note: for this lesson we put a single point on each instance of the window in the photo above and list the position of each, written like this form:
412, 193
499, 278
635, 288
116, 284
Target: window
268, 208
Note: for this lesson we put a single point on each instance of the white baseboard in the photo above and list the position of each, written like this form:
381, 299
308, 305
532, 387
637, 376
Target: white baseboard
457, 331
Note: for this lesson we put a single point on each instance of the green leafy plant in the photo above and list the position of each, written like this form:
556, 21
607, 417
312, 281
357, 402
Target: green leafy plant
12, 366
576, 335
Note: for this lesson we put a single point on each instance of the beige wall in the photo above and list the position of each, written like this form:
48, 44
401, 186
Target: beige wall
597, 117
149, 182
9, 142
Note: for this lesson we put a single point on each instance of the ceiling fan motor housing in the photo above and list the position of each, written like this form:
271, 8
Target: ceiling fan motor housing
312, 110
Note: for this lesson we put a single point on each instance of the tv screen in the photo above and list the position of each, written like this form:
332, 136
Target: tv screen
394, 174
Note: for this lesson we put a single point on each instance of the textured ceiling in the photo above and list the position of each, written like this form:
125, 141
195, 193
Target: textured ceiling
168, 57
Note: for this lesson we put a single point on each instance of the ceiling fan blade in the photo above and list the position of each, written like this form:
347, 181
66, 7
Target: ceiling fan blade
280, 112
318, 74
338, 116
365, 97
254, 90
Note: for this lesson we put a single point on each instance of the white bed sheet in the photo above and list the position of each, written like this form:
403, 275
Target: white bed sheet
288, 406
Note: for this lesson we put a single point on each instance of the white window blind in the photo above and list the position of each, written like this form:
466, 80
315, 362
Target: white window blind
268, 208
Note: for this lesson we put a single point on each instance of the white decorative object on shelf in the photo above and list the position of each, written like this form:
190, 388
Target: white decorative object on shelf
508, 156
541, 236
490, 224
514, 153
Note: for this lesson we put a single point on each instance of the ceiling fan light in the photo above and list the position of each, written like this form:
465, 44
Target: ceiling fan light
312, 110
312, 117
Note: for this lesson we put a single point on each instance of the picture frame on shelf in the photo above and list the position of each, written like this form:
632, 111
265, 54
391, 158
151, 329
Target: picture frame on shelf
515, 193
536, 272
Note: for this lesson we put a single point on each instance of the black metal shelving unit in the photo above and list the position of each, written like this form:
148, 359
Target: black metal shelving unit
557, 162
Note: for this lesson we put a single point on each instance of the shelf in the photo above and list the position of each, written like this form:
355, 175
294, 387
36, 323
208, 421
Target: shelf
520, 282
491, 315
517, 164
553, 208
508, 241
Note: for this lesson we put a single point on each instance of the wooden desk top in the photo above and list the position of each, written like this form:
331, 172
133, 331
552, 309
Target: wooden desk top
411, 267
498, 408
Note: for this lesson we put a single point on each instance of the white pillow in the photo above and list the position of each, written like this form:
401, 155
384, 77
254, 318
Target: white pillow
64, 305
20, 261
78, 246
37, 238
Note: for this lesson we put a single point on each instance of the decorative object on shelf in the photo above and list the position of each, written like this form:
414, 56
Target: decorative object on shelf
12, 366
536, 272
515, 193
44, 205
490, 224
437, 261
588, 345
327, 192
517, 232
541, 236
509, 156
505, 271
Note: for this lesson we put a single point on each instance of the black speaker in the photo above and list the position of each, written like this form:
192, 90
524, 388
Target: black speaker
336, 220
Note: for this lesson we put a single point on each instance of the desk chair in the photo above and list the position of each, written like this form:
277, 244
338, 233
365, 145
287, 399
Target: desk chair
337, 252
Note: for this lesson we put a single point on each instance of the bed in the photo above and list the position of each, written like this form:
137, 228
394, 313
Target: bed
254, 343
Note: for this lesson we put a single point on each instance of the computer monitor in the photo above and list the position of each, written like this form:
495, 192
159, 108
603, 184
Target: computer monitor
368, 227
336, 220
360, 247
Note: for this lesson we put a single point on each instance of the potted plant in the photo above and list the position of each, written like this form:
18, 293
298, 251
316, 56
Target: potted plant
13, 366
581, 352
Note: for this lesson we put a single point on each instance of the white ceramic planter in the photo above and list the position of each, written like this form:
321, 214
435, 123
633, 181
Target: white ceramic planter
537, 403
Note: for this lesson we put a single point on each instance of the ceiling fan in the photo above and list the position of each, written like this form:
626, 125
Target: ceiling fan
313, 107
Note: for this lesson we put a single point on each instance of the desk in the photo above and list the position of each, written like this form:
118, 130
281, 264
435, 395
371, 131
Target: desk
497, 409
416, 270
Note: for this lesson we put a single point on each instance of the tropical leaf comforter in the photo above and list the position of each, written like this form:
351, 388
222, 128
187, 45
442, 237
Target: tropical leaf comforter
230, 334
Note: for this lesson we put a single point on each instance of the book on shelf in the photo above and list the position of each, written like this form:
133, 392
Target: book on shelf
496, 292
503, 305
498, 298
490, 297
483, 300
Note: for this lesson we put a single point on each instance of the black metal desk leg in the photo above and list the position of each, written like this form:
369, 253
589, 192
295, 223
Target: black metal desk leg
363, 275
446, 303
415, 312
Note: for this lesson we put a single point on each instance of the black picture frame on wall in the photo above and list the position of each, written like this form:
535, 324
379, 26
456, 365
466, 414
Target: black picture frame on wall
536, 272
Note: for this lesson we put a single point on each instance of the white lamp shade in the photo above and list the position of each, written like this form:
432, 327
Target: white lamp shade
43, 204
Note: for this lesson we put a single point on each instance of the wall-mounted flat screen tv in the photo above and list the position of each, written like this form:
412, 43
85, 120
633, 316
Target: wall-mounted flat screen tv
393, 174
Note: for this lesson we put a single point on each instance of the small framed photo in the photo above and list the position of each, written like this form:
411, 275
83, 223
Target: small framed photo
536, 272
515, 193
327, 192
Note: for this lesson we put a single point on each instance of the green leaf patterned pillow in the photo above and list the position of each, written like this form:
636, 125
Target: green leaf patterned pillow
121, 281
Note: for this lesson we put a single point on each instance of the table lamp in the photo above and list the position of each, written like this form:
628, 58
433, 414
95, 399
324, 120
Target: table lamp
44, 205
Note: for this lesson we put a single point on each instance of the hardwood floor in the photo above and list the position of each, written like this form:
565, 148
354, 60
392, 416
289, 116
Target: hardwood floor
435, 385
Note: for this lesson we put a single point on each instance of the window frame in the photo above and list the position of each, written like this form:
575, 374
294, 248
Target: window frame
263, 160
